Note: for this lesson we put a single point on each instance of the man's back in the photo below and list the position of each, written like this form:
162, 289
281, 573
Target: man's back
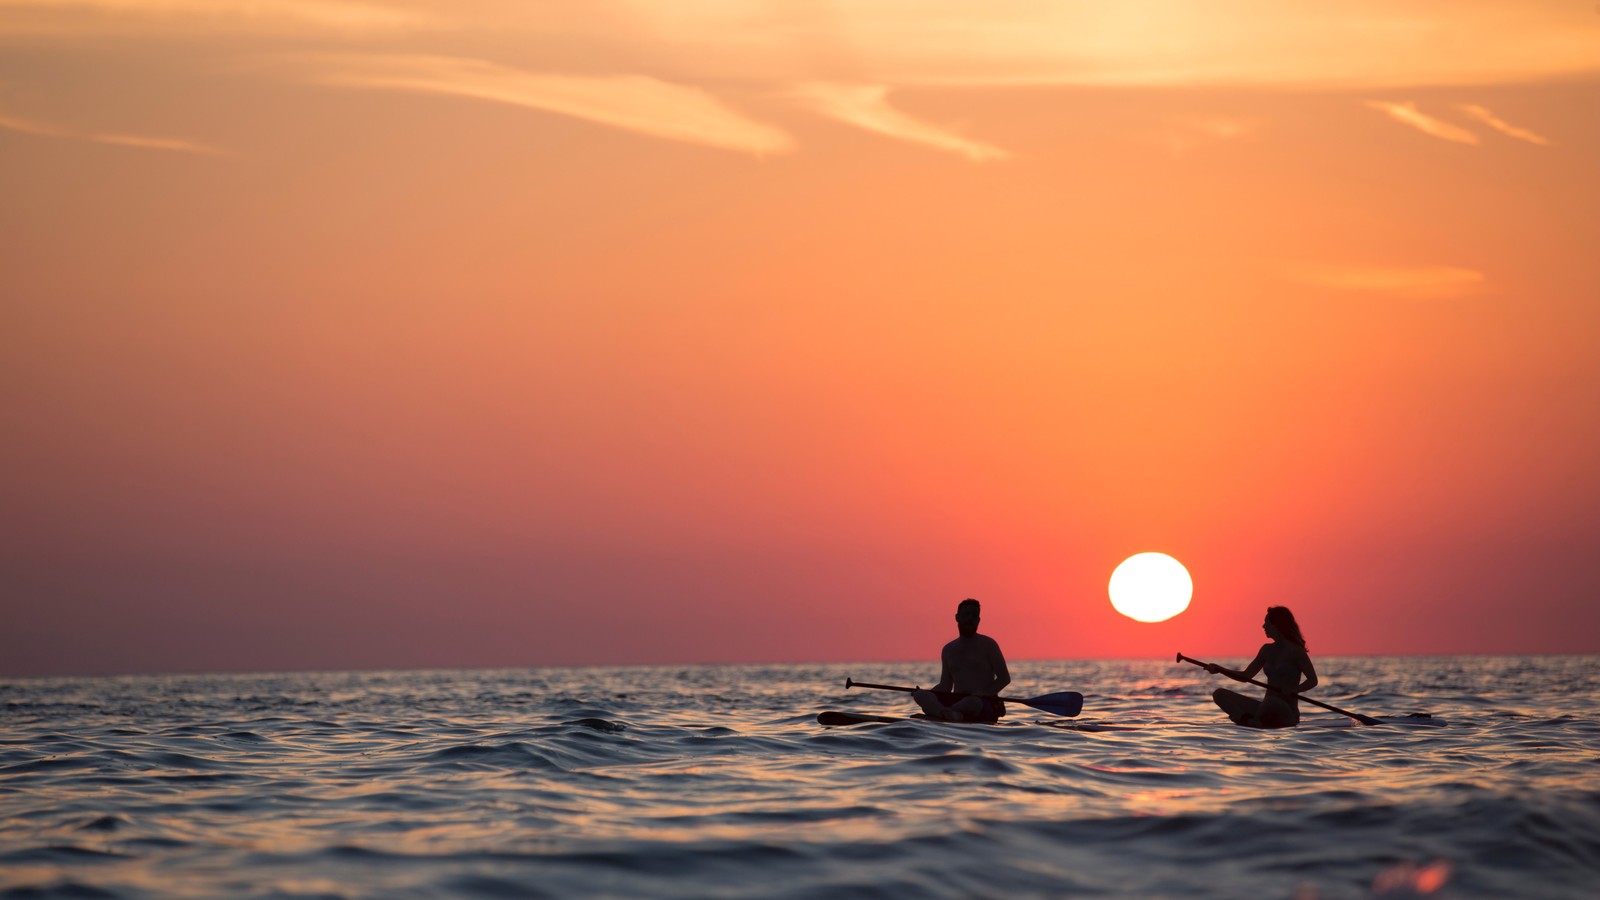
972, 673
974, 664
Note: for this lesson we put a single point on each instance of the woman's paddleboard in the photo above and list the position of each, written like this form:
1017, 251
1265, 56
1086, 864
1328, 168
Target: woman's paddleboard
1413, 719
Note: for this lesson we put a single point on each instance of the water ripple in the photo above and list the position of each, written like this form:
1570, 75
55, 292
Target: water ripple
717, 782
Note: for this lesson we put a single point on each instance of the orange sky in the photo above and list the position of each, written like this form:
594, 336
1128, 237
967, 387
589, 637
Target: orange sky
377, 334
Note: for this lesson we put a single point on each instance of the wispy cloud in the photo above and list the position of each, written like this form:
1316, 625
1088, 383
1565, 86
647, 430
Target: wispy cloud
1408, 281
630, 102
1182, 135
1488, 118
1357, 45
207, 16
866, 106
27, 126
1407, 113
151, 143
42, 129
1363, 45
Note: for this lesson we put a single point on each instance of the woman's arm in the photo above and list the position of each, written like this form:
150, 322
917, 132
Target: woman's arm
1310, 673
1249, 671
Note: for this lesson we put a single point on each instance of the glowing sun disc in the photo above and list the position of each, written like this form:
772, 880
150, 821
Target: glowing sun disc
1151, 587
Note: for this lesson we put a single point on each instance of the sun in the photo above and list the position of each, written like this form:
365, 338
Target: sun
1151, 587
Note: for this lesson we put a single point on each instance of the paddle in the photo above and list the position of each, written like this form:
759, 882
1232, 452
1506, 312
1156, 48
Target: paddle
1065, 703
1365, 720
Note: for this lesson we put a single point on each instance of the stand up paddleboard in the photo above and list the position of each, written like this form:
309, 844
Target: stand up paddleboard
832, 717
1413, 719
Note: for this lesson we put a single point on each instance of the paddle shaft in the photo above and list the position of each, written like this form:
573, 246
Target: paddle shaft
1365, 720
895, 687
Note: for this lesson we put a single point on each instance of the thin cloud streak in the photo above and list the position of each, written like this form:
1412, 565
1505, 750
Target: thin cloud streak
1359, 45
1182, 135
151, 143
867, 107
207, 16
29, 127
1408, 114
1408, 281
1362, 45
1482, 114
41, 129
630, 102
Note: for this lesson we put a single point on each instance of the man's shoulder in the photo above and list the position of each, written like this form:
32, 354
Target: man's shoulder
980, 641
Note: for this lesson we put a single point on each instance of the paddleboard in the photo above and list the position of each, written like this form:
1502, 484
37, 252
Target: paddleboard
848, 718
831, 717
1414, 719
1084, 726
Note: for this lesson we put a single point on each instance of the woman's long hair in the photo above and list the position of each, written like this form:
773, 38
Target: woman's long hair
1283, 620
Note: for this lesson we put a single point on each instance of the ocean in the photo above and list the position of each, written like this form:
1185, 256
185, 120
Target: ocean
717, 781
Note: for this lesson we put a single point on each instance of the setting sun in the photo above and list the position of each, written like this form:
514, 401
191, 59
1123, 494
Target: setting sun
1151, 587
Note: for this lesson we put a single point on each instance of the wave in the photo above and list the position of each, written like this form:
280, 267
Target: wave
717, 781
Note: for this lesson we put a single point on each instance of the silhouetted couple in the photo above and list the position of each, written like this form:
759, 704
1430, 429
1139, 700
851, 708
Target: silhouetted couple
972, 673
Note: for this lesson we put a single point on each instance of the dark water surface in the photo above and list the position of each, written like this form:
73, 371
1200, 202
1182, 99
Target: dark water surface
716, 781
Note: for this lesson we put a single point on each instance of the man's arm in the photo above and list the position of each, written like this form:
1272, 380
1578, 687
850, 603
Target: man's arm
945, 678
1002, 675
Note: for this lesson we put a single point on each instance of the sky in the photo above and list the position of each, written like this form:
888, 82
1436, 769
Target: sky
491, 333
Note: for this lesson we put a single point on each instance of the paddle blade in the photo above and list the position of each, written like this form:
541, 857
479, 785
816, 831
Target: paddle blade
1066, 703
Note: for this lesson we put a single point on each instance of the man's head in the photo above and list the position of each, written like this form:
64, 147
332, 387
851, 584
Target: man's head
967, 612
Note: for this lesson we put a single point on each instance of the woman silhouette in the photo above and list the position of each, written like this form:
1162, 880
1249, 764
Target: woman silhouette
1284, 661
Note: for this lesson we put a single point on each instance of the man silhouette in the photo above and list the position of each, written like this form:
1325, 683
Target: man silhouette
972, 672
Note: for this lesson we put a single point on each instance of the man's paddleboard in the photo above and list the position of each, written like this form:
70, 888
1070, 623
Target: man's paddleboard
846, 718
831, 717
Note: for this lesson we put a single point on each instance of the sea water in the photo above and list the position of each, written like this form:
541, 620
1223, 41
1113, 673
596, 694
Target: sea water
716, 781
